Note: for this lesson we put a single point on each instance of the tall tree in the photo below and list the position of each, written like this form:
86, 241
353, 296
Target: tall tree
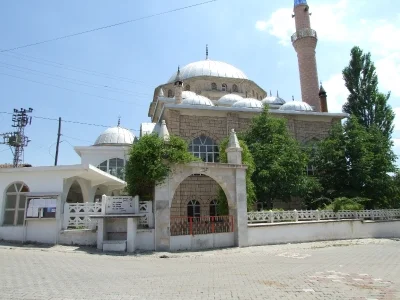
279, 160
354, 161
365, 102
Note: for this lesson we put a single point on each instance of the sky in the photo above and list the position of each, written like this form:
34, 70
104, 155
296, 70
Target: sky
100, 76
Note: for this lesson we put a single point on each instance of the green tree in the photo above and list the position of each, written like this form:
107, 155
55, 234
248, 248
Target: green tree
247, 159
151, 160
279, 160
365, 102
354, 162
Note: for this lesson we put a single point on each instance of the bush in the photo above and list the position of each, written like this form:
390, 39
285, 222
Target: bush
344, 203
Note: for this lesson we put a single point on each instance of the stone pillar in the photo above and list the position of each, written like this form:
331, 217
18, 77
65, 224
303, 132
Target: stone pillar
241, 229
131, 234
162, 215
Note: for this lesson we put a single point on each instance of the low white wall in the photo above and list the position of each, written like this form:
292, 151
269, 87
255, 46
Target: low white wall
12, 233
41, 231
145, 239
279, 233
82, 237
202, 241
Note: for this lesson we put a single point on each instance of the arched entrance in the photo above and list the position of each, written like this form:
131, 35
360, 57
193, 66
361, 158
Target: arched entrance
75, 194
195, 208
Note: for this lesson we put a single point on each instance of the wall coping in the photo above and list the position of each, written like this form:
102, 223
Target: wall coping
318, 222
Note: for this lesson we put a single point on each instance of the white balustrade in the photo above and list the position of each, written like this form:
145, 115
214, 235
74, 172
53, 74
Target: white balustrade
316, 215
77, 215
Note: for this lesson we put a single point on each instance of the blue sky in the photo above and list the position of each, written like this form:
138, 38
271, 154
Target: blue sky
113, 72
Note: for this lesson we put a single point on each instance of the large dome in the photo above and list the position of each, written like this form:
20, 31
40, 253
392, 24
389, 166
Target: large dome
209, 68
115, 136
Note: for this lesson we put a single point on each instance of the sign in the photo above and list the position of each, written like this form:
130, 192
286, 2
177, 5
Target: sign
41, 208
120, 205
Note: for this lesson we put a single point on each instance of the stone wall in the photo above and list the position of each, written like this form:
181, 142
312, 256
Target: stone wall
201, 188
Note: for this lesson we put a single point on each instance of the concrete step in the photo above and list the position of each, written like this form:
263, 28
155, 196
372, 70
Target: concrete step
114, 246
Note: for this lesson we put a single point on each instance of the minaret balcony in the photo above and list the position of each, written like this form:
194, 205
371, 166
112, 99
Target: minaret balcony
302, 33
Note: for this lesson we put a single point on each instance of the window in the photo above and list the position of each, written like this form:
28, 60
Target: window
252, 92
114, 166
213, 208
257, 96
187, 87
193, 208
214, 86
310, 170
224, 87
170, 94
235, 88
205, 148
15, 204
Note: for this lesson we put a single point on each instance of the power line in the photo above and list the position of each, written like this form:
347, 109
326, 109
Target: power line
107, 26
69, 121
72, 68
71, 80
70, 90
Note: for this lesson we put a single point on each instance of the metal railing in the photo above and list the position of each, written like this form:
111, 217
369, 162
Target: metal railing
201, 225
305, 32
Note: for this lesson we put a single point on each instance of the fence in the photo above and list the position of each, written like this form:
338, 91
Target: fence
77, 215
201, 225
317, 215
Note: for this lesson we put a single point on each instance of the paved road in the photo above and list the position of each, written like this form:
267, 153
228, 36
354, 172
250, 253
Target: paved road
363, 269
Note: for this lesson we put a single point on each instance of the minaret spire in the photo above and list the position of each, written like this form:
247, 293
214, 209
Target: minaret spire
119, 121
207, 51
178, 87
305, 42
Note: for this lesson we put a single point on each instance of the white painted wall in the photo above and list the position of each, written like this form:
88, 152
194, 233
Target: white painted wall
264, 234
145, 239
202, 241
83, 237
41, 231
95, 155
12, 233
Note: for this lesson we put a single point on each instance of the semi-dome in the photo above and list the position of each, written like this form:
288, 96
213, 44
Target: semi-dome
229, 100
248, 103
209, 68
273, 100
115, 136
188, 94
296, 106
197, 100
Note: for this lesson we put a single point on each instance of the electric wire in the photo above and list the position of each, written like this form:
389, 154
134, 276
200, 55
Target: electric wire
107, 26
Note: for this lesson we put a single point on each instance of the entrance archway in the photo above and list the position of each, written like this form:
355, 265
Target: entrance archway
75, 194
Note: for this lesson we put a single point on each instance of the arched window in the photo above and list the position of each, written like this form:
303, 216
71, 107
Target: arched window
15, 204
193, 208
224, 87
257, 96
214, 86
235, 88
170, 94
253, 93
114, 166
187, 87
205, 148
213, 208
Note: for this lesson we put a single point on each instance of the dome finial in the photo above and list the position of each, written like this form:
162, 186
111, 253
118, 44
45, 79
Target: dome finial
270, 93
119, 121
207, 51
292, 98
277, 94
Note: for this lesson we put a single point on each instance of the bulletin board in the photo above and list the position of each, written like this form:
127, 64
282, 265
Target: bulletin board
41, 208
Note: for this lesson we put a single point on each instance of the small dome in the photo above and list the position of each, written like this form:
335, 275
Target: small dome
296, 106
115, 136
248, 103
273, 100
188, 94
197, 100
229, 100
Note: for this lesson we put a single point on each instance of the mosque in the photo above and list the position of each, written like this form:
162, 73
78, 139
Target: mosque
202, 102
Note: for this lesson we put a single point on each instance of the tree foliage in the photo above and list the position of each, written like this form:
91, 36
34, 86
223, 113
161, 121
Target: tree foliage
354, 161
151, 160
247, 159
280, 162
365, 102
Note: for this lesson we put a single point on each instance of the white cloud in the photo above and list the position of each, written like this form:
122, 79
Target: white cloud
261, 25
397, 119
278, 26
337, 92
388, 69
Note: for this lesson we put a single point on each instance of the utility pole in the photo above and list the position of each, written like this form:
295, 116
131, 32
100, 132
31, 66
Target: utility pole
17, 139
58, 141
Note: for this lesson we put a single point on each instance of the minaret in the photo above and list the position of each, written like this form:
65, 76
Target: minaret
322, 99
178, 87
304, 42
